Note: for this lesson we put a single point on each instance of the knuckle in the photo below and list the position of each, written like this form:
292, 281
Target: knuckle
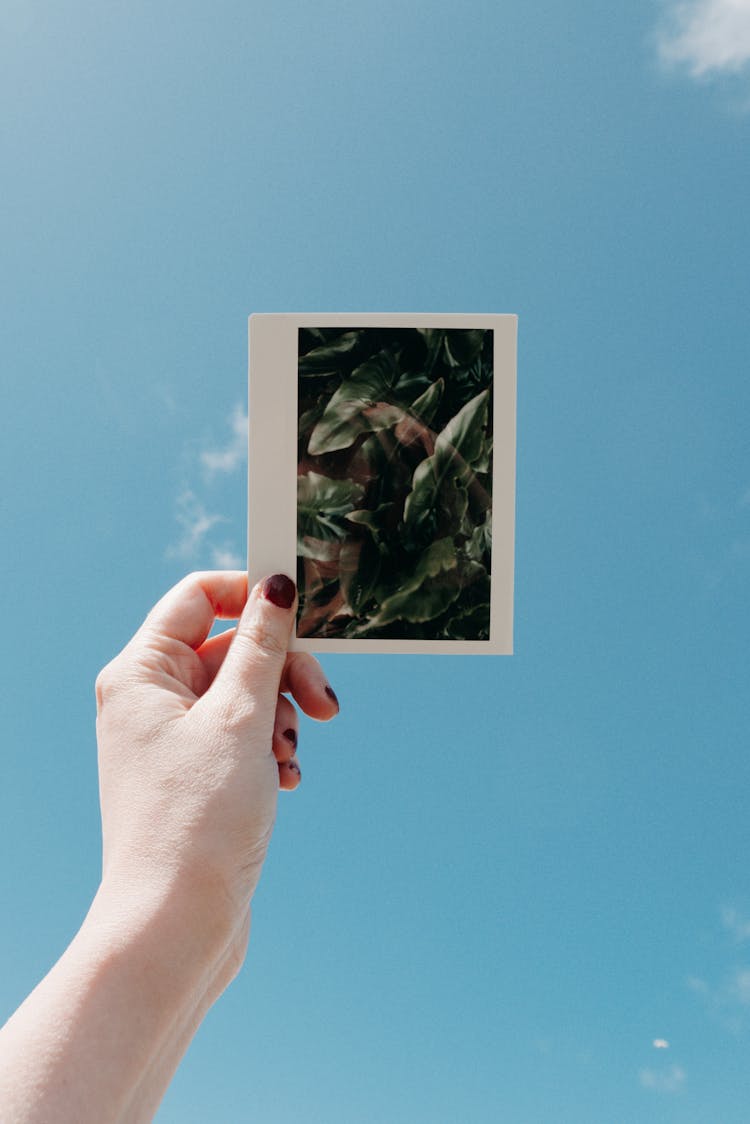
103, 685
111, 680
263, 640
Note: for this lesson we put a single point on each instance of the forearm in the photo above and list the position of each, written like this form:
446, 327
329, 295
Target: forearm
100, 1037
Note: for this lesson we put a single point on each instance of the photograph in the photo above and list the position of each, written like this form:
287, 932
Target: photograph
381, 474
394, 486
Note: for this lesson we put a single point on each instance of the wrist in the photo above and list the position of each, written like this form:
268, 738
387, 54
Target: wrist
186, 932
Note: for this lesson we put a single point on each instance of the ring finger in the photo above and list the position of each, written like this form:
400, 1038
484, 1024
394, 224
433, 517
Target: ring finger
285, 730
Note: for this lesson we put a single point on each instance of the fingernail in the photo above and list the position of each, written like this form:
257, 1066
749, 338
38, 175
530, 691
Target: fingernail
294, 767
332, 696
291, 736
279, 590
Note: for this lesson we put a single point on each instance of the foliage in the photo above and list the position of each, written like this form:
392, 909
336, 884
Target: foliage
395, 483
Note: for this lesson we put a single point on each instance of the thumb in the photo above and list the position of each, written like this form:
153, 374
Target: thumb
250, 676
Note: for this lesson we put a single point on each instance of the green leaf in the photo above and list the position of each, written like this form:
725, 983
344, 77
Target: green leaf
360, 569
420, 597
345, 416
417, 606
483, 463
320, 360
410, 385
433, 338
419, 509
322, 505
310, 418
321, 550
376, 521
439, 557
480, 543
454, 507
465, 432
460, 442
474, 624
463, 345
426, 406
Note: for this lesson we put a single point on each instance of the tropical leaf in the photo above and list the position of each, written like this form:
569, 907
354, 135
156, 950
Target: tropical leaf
464, 433
483, 463
310, 418
360, 569
321, 360
345, 417
423, 604
378, 521
474, 624
420, 517
426, 406
410, 385
479, 544
322, 505
322, 550
420, 597
433, 338
462, 346
460, 442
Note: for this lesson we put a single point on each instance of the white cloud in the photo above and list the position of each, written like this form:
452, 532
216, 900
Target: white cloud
234, 452
195, 522
708, 37
670, 1080
660, 1044
224, 558
738, 926
726, 1002
199, 542
739, 987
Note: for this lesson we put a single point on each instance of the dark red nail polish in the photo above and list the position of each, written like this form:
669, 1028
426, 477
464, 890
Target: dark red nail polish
291, 736
332, 696
279, 590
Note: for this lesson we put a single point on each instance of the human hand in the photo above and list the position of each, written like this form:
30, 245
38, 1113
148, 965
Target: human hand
196, 737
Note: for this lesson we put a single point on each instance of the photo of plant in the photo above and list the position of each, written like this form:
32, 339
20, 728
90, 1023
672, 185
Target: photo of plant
394, 496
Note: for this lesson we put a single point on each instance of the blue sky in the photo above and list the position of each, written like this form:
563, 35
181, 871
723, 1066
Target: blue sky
502, 880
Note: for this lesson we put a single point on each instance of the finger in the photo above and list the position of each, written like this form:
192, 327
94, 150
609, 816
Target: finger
212, 652
250, 675
188, 611
305, 680
285, 730
289, 775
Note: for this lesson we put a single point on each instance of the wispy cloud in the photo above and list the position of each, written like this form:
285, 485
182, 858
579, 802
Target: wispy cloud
195, 522
709, 38
201, 542
734, 923
727, 997
670, 1080
224, 558
660, 1044
234, 452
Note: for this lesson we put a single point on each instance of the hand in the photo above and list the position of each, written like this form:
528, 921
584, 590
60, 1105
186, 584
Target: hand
196, 737
195, 740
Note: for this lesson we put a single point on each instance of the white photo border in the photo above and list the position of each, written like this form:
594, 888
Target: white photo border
272, 463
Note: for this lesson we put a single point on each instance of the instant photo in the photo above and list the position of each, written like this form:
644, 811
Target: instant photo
388, 446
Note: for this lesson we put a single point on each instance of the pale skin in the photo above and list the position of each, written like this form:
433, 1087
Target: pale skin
196, 737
